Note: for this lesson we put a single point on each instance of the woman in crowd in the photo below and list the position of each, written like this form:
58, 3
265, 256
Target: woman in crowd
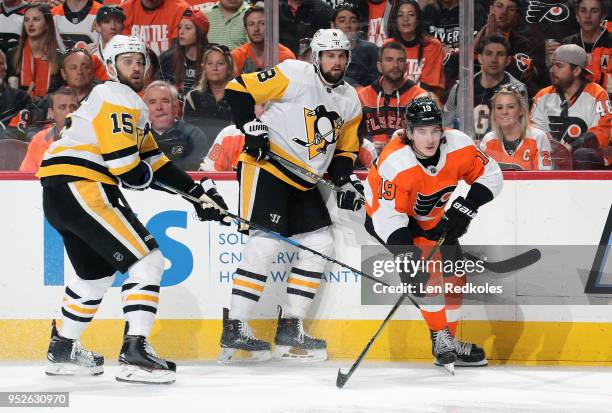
206, 105
35, 61
513, 142
424, 54
179, 64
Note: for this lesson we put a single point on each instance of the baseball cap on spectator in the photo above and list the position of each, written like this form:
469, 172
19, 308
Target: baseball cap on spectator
109, 10
198, 18
345, 6
572, 54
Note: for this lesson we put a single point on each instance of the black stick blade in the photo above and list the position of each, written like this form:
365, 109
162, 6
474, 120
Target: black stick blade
511, 264
341, 379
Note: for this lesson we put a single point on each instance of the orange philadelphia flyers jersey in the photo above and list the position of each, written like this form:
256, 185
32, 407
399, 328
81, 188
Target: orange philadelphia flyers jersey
378, 15
426, 63
399, 188
223, 154
533, 153
157, 28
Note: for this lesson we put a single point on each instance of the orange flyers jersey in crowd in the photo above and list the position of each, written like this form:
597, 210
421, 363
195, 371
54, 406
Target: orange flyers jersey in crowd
246, 62
378, 14
533, 153
426, 63
75, 29
157, 28
224, 153
590, 111
399, 188
384, 114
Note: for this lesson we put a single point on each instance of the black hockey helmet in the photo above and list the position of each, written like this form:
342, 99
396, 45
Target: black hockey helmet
423, 111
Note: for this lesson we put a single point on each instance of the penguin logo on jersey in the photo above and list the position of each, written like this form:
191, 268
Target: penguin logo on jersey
553, 11
322, 128
425, 204
566, 129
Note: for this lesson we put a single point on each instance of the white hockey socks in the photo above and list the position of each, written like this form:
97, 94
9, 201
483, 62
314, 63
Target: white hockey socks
80, 304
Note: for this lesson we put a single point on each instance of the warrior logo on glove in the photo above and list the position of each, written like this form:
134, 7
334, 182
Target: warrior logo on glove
323, 129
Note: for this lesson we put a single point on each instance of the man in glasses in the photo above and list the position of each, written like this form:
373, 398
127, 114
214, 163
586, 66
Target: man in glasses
310, 119
575, 111
107, 142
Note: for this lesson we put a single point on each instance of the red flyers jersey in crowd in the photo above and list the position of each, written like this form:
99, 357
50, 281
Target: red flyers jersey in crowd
157, 28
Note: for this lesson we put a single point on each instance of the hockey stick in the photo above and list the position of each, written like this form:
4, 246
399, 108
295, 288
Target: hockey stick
515, 263
279, 236
342, 378
303, 171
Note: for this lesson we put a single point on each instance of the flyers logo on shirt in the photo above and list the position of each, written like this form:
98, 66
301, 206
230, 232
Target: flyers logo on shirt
322, 130
566, 129
553, 11
425, 204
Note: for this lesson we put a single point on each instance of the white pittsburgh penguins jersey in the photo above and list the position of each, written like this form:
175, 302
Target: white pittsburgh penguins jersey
107, 136
309, 123
76, 29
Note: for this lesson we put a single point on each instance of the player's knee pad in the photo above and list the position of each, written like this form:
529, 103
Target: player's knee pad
94, 289
259, 252
147, 270
321, 241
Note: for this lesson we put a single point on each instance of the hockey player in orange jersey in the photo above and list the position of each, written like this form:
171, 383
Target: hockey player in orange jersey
406, 191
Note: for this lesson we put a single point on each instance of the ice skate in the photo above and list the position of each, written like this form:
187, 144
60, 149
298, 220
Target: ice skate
139, 363
469, 354
238, 338
67, 357
294, 343
443, 349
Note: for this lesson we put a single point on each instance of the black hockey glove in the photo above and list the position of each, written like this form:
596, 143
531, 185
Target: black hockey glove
138, 178
457, 218
256, 139
350, 195
212, 206
411, 270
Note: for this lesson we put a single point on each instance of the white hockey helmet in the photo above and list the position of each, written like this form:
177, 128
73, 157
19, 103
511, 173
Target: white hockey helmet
121, 44
329, 39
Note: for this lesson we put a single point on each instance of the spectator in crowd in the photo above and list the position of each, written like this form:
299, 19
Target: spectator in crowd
249, 57
180, 65
575, 111
74, 21
424, 54
595, 39
513, 142
227, 24
494, 58
364, 55
206, 105
384, 102
109, 22
305, 50
11, 22
35, 61
378, 20
547, 20
77, 72
298, 19
153, 72
528, 62
184, 144
441, 20
156, 22
14, 106
63, 102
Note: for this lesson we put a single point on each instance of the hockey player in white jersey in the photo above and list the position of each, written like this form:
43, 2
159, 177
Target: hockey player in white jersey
107, 142
311, 119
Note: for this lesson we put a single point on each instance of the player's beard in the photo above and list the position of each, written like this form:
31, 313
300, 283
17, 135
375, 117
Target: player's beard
331, 78
136, 85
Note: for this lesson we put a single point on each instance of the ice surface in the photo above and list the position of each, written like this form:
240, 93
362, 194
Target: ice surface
375, 387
